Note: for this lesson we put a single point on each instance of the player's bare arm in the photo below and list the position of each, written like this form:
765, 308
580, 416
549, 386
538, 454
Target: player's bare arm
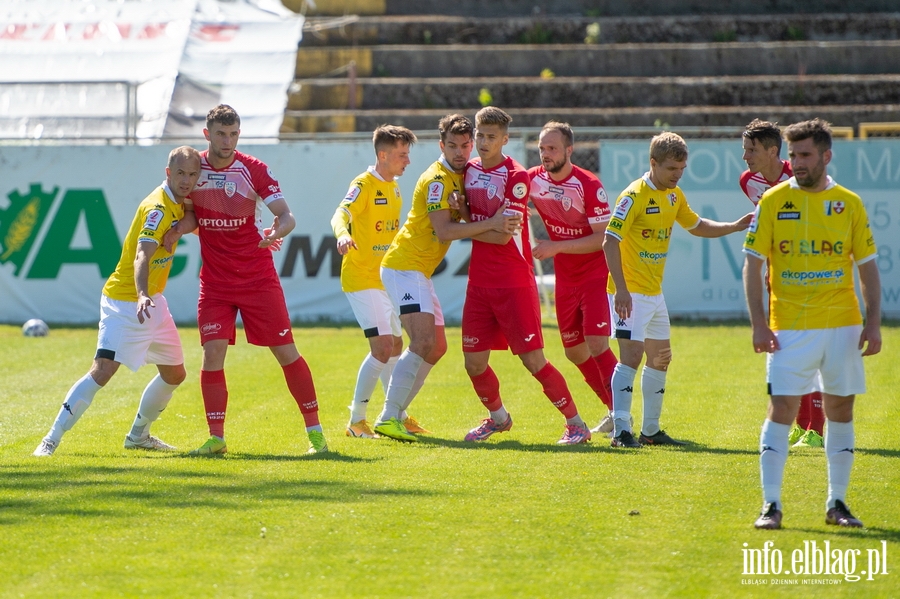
283, 224
764, 340
142, 258
449, 230
547, 248
870, 285
711, 228
622, 303
187, 224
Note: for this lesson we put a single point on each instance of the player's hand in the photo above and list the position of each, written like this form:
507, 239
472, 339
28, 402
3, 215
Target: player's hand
508, 222
870, 339
275, 243
622, 303
546, 249
171, 239
456, 200
272, 239
744, 222
344, 244
143, 307
764, 340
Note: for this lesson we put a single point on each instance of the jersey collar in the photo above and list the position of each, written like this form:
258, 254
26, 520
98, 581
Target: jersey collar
371, 170
649, 182
829, 183
168, 191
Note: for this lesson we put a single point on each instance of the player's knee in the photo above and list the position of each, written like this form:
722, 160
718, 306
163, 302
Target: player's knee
173, 375
662, 360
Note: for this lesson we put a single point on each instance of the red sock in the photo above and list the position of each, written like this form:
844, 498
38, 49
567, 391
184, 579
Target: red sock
607, 362
215, 399
487, 387
300, 383
590, 370
803, 416
556, 390
816, 413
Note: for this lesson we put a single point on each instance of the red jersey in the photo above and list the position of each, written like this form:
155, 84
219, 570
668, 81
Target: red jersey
228, 203
488, 190
754, 184
568, 209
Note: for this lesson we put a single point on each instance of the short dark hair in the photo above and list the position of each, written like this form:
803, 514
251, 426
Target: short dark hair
390, 135
455, 124
224, 115
491, 115
564, 129
768, 134
817, 129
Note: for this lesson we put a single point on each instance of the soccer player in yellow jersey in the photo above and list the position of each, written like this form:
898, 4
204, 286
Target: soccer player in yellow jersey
812, 231
413, 257
636, 246
135, 324
365, 224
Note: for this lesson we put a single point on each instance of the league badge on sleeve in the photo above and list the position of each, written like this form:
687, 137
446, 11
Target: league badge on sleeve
601, 196
623, 207
519, 190
435, 192
154, 217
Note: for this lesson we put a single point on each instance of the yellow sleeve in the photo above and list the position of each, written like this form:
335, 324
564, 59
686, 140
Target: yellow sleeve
758, 241
686, 216
863, 242
353, 204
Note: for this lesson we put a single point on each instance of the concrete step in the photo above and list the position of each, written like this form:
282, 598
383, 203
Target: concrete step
596, 8
607, 60
442, 29
311, 121
598, 92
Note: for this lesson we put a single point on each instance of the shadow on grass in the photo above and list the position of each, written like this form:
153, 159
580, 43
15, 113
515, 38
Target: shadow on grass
884, 453
870, 532
36, 490
597, 446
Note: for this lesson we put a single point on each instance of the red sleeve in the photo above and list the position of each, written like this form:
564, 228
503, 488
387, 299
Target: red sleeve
517, 187
264, 182
745, 176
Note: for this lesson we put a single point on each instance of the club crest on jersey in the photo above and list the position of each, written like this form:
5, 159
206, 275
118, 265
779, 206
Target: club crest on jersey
230, 188
154, 217
673, 198
492, 190
566, 202
833, 207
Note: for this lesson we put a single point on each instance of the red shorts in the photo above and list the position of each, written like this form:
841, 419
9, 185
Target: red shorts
496, 317
263, 312
582, 310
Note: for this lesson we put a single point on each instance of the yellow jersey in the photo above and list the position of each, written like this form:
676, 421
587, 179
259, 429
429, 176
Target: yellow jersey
156, 214
811, 241
642, 222
370, 214
417, 246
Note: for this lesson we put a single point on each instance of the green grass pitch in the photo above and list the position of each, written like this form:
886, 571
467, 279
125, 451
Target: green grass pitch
516, 516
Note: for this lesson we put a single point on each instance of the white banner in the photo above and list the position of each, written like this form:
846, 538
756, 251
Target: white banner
64, 210
118, 58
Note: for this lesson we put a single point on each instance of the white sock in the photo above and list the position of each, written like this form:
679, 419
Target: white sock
576, 419
622, 387
156, 397
653, 388
402, 381
839, 443
388, 372
369, 372
77, 400
773, 450
424, 369
500, 416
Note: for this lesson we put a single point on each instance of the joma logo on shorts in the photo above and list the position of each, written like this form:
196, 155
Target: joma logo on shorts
210, 328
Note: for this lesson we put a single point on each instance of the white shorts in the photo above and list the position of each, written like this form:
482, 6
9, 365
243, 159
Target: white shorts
649, 318
804, 355
411, 291
374, 312
125, 340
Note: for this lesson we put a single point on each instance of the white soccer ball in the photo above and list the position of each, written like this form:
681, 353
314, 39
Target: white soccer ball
35, 328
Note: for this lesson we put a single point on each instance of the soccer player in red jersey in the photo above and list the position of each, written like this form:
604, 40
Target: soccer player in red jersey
501, 307
766, 169
575, 210
238, 274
